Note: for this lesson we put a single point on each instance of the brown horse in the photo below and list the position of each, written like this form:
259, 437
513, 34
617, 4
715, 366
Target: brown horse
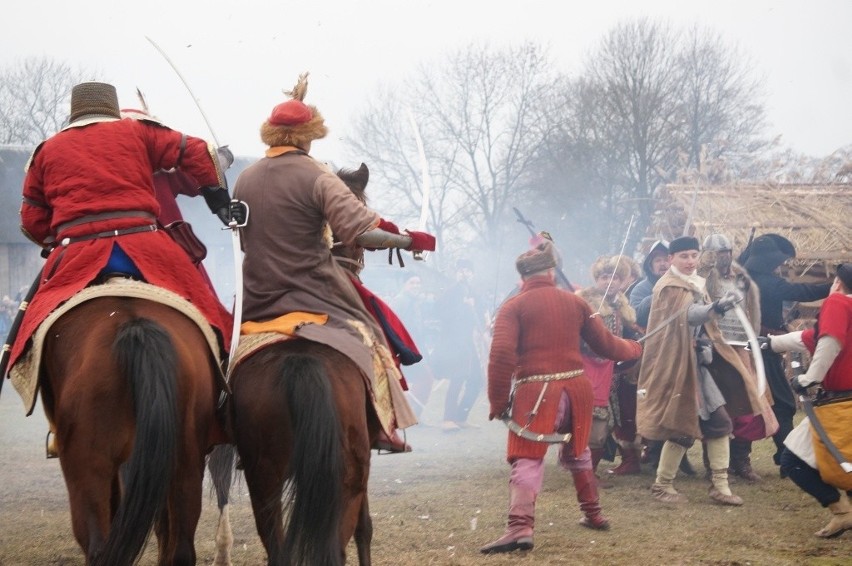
131, 389
317, 453
303, 426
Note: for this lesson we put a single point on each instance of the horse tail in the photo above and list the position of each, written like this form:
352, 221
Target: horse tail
147, 358
316, 465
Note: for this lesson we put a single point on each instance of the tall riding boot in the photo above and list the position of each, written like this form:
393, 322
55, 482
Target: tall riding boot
741, 461
663, 488
629, 462
718, 453
841, 519
519, 527
586, 485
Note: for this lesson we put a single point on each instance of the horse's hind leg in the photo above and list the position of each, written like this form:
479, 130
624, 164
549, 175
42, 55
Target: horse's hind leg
364, 533
90, 501
266, 486
177, 523
220, 462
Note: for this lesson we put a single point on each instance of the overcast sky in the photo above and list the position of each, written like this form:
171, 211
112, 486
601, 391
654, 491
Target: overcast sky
238, 55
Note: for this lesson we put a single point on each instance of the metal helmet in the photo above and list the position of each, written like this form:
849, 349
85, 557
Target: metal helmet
717, 243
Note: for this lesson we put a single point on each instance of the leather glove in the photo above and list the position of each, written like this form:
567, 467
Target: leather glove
726, 303
238, 212
218, 201
765, 342
420, 241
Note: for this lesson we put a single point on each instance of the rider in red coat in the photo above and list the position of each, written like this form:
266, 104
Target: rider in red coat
88, 198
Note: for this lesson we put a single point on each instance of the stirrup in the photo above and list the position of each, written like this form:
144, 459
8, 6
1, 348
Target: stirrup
50, 446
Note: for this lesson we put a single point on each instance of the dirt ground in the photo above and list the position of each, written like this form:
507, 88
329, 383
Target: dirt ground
440, 503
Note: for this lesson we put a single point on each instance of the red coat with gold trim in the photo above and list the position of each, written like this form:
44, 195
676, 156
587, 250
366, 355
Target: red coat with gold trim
101, 168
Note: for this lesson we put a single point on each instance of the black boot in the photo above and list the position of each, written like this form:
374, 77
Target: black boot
741, 461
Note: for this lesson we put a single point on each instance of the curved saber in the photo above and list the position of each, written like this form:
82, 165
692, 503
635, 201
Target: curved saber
754, 346
617, 262
186, 84
553, 438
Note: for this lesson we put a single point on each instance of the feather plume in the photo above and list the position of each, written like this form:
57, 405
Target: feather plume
142, 101
301, 89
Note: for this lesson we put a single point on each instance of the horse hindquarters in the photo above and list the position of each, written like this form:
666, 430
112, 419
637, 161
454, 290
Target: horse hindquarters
111, 390
292, 392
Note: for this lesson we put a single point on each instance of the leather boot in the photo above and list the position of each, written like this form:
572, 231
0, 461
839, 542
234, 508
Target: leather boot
718, 453
519, 527
841, 519
629, 463
741, 461
663, 488
391, 444
586, 485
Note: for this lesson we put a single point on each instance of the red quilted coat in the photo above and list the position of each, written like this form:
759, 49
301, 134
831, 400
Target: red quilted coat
78, 180
538, 332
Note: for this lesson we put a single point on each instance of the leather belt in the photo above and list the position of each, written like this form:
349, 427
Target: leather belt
111, 215
109, 234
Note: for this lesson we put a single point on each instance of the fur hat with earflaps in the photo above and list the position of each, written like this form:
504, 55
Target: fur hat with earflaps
609, 265
293, 122
538, 259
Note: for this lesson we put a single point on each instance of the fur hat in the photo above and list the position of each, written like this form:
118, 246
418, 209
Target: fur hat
683, 244
540, 258
293, 122
765, 253
95, 100
607, 265
717, 243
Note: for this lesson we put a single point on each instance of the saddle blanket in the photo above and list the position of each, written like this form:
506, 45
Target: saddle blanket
374, 360
24, 374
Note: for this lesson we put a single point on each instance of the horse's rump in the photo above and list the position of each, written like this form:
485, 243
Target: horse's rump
25, 373
130, 387
299, 417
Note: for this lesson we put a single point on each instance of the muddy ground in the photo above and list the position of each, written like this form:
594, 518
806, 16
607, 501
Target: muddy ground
440, 503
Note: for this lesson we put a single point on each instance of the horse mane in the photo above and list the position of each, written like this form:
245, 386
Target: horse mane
356, 180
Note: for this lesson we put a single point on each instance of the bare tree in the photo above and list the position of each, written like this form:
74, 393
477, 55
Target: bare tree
34, 97
480, 114
650, 102
721, 110
635, 73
